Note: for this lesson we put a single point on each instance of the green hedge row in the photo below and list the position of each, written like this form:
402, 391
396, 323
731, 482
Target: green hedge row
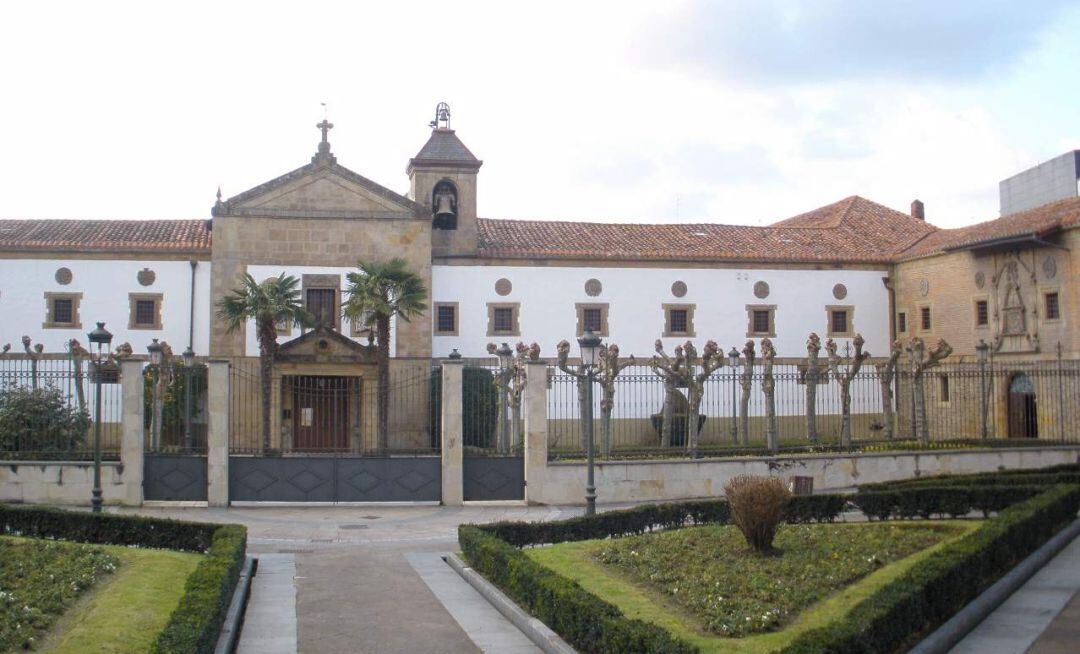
587, 622
899, 614
1067, 473
194, 625
952, 501
640, 519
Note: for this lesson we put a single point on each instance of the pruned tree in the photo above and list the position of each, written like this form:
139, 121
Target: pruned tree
607, 371
746, 383
672, 370
711, 360
922, 359
844, 370
811, 376
886, 371
78, 353
33, 353
768, 387
512, 385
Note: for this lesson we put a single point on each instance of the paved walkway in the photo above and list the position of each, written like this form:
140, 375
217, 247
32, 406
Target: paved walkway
1033, 619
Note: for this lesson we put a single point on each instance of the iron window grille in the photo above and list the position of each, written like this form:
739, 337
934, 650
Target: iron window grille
145, 313
1053, 306
63, 311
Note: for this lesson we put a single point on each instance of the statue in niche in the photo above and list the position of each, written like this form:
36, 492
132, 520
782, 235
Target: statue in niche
444, 205
1013, 331
1012, 310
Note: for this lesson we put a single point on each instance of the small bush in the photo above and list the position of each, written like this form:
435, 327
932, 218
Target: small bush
757, 507
40, 420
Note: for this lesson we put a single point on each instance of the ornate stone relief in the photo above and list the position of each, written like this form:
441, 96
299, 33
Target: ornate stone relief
761, 290
924, 287
503, 286
678, 289
63, 276
146, 277
839, 291
593, 287
980, 279
1050, 266
1014, 297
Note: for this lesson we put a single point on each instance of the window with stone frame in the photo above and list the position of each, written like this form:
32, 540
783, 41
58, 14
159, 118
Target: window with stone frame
1051, 306
446, 318
592, 317
982, 313
62, 311
503, 319
760, 320
321, 303
925, 321
901, 322
841, 321
944, 387
678, 320
144, 310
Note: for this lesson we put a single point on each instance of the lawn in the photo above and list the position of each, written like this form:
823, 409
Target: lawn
702, 585
122, 612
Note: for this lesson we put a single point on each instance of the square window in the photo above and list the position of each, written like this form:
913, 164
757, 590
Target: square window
321, 303
145, 313
901, 322
924, 318
1053, 307
591, 319
677, 321
839, 321
503, 319
446, 318
982, 313
762, 322
63, 311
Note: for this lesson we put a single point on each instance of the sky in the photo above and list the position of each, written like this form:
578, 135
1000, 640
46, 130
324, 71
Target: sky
742, 112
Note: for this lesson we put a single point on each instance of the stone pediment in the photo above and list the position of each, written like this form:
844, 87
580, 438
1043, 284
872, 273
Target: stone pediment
321, 189
324, 345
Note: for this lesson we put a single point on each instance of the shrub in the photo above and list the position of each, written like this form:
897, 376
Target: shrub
952, 501
757, 507
40, 420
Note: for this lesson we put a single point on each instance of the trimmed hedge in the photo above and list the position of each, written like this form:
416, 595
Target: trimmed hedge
640, 519
953, 501
899, 614
1064, 473
587, 622
194, 626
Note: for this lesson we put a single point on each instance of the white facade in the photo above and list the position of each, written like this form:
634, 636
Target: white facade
635, 298
105, 286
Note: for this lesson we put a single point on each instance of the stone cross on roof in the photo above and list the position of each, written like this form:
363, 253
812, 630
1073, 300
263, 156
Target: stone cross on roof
324, 146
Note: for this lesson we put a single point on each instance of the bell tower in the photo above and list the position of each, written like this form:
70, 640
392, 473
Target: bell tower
442, 177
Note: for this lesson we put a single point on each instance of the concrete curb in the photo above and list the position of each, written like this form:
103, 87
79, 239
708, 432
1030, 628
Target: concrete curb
234, 618
534, 630
969, 617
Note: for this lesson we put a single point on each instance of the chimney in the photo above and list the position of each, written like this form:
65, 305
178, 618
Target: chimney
918, 211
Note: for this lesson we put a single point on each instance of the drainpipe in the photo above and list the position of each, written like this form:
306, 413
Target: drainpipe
191, 314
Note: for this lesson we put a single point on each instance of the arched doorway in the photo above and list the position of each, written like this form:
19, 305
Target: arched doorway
1023, 417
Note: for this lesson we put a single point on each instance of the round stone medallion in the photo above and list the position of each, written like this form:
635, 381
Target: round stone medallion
1050, 267
63, 276
839, 291
980, 279
924, 288
761, 290
678, 289
593, 287
503, 286
146, 277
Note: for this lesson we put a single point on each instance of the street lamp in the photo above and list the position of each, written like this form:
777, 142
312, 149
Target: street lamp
590, 345
100, 339
733, 361
506, 364
982, 351
157, 355
189, 363
156, 352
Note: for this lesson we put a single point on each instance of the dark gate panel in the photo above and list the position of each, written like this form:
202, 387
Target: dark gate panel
174, 477
405, 479
494, 478
335, 479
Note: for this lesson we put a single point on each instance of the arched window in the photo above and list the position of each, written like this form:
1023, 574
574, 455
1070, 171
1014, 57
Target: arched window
444, 205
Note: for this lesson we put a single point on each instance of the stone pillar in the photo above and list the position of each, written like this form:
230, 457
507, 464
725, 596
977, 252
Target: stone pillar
217, 435
132, 430
536, 430
453, 445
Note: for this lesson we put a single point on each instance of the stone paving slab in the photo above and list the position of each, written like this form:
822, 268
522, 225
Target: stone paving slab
270, 619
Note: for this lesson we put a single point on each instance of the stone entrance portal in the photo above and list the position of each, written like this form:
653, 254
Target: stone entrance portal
1023, 408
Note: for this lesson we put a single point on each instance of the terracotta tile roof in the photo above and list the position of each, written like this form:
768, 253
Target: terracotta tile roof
852, 230
1036, 222
105, 235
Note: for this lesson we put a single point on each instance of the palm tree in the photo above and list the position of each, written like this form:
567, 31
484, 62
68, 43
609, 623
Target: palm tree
377, 292
274, 302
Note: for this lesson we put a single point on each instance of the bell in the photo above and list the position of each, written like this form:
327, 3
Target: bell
444, 206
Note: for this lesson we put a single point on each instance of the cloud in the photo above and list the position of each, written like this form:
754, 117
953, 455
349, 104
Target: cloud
773, 42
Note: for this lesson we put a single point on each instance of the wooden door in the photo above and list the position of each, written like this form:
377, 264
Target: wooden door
321, 413
1023, 409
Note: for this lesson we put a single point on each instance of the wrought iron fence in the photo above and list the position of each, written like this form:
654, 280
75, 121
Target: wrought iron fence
1020, 401
491, 423
336, 414
175, 408
47, 408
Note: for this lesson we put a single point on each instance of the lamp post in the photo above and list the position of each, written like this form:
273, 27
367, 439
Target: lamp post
982, 350
100, 339
189, 365
733, 361
590, 353
506, 363
157, 355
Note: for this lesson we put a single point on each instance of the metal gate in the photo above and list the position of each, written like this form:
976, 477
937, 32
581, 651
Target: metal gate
174, 462
296, 478
493, 467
